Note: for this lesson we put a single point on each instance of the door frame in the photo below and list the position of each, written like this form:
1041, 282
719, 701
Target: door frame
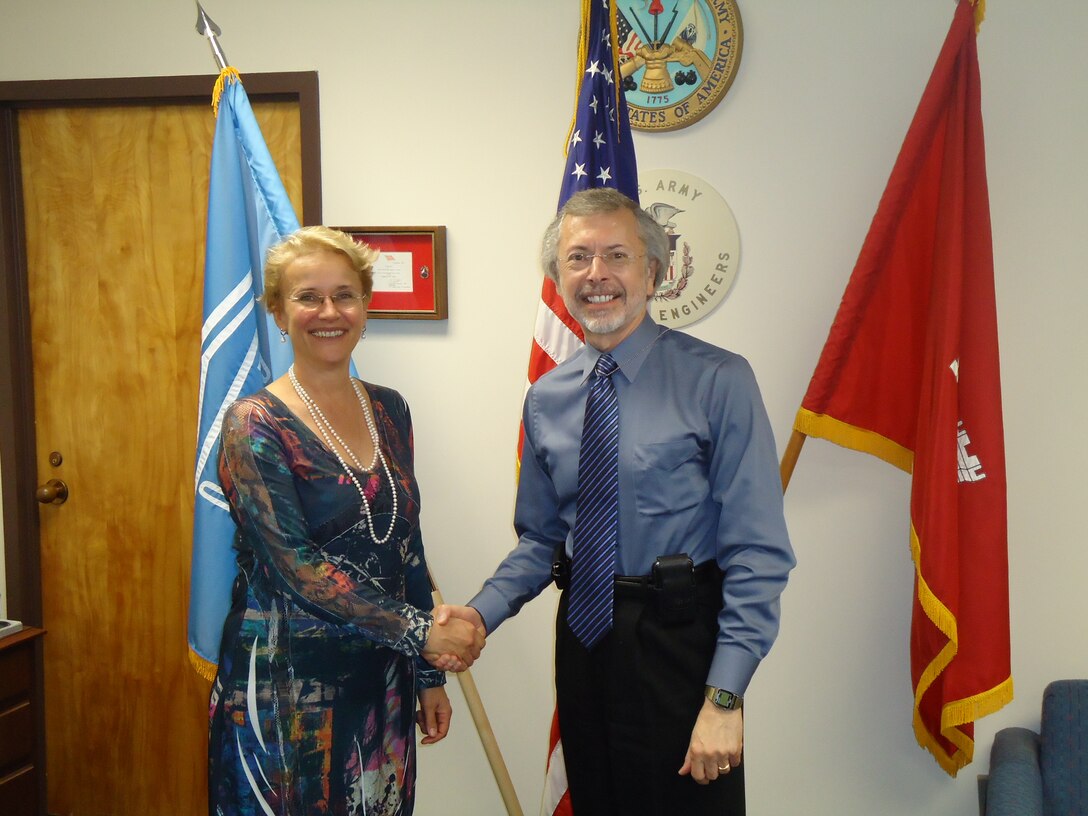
18, 453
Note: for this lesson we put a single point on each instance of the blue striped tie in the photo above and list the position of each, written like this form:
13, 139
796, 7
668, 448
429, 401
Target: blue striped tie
593, 562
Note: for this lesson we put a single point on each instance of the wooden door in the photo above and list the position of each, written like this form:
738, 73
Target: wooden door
115, 201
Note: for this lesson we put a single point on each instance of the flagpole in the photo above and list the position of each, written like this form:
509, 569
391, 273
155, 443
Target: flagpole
789, 458
206, 27
483, 727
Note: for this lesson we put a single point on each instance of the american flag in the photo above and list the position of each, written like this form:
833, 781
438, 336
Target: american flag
626, 36
600, 153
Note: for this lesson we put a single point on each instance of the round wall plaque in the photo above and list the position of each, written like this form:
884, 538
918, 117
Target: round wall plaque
677, 64
704, 245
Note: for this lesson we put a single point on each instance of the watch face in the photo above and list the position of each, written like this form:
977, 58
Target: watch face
723, 699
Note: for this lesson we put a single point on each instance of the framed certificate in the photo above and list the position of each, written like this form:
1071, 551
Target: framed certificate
409, 273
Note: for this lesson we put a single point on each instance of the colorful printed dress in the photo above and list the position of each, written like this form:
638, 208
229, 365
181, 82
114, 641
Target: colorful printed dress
313, 708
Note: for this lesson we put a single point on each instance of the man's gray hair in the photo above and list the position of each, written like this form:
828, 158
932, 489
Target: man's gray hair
601, 200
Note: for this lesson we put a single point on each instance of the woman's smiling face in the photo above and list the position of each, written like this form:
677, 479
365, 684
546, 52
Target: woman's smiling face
319, 312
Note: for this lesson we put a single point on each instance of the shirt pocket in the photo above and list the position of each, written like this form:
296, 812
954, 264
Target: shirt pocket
670, 476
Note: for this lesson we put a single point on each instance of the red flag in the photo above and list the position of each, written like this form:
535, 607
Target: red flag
910, 374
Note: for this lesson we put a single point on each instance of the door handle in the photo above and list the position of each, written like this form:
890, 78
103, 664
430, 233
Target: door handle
52, 492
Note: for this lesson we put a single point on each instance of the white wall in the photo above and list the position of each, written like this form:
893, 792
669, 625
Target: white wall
455, 113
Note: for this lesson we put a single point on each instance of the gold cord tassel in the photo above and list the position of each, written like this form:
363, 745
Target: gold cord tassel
614, 33
583, 51
228, 74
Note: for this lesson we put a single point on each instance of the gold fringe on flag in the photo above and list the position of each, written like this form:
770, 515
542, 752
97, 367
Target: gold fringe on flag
980, 13
228, 74
205, 668
955, 712
849, 436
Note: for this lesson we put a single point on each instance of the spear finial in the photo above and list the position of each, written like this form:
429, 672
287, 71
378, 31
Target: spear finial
206, 27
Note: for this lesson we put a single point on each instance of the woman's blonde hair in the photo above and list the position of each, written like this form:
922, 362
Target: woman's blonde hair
308, 241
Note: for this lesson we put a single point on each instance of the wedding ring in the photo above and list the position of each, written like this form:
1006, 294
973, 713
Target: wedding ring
724, 768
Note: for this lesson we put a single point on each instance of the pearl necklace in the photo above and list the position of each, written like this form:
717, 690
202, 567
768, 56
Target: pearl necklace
327, 430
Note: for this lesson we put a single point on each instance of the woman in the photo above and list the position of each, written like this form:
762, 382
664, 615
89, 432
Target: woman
322, 658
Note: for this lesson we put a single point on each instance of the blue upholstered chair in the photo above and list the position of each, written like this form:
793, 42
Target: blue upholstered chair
1044, 774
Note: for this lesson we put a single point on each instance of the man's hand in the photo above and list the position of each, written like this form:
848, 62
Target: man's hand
717, 742
444, 612
446, 615
453, 643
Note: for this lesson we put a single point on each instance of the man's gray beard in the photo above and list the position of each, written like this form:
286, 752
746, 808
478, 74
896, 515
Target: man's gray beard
604, 324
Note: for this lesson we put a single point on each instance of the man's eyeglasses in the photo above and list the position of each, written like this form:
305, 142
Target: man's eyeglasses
617, 259
344, 301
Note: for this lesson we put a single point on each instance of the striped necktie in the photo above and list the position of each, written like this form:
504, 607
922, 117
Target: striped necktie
593, 561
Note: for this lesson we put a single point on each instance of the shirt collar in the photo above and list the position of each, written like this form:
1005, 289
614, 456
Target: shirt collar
630, 354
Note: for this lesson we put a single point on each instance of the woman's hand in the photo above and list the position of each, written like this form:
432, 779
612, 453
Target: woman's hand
453, 643
434, 714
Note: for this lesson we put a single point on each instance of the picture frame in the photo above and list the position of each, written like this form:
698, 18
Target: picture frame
409, 274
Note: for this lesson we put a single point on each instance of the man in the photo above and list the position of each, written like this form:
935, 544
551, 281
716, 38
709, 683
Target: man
649, 695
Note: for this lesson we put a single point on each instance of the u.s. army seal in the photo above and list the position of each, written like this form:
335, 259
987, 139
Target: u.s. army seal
704, 245
677, 65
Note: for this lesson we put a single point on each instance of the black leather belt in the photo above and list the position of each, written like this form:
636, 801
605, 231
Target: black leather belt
706, 574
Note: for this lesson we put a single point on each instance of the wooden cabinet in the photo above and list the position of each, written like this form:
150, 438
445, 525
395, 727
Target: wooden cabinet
22, 742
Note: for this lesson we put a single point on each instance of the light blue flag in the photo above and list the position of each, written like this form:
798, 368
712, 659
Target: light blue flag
248, 212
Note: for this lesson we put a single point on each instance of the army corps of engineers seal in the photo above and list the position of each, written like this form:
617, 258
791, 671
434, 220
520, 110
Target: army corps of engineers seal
677, 59
704, 245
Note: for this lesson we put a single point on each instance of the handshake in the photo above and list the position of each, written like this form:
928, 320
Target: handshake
456, 639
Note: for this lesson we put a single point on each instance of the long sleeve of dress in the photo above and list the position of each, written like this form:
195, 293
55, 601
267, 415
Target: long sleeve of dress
259, 466
417, 575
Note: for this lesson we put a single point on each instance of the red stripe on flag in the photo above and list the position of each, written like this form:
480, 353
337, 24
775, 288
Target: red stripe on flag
556, 795
550, 296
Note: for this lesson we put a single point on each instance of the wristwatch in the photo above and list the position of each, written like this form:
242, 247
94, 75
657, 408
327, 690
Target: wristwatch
724, 699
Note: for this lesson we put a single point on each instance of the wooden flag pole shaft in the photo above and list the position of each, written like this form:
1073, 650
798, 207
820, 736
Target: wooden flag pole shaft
789, 458
483, 728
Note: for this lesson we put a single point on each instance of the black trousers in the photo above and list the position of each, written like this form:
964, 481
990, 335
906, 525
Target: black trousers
626, 710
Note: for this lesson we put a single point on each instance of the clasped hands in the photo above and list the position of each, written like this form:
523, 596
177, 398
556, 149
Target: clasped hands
456, 639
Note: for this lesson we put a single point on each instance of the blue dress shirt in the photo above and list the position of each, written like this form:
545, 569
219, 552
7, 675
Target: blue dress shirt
698, 475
